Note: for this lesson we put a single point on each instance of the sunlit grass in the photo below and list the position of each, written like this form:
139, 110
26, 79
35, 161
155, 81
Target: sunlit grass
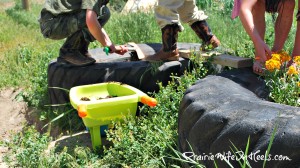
25, 54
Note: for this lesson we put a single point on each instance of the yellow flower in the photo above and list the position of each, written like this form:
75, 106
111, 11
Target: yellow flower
272, 64
281, 56
285, 58
292, 71
298, 84
276, 57
297, 59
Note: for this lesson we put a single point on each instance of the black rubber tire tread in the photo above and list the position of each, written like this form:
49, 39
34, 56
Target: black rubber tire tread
218, 110
140, 74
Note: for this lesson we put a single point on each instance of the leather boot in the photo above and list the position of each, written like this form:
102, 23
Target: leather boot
203, 31
85, 49
169, 50
70, 52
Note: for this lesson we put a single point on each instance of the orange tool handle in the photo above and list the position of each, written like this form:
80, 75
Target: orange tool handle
149, 101
82, 110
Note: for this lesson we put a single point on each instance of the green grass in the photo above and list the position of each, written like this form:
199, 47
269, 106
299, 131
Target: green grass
139, 142
145, 141
27, 54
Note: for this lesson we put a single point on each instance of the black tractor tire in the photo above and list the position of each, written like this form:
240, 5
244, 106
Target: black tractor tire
220, 111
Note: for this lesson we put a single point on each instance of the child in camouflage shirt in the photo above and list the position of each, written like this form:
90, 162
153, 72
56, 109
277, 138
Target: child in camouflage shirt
80, 22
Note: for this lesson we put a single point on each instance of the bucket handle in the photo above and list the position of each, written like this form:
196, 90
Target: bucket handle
148, 101
82, 110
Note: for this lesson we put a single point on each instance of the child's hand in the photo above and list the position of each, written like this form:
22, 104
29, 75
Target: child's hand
121, 49
262, 51
112, 48
115, 49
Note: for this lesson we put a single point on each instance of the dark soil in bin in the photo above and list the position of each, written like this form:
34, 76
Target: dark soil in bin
100, 98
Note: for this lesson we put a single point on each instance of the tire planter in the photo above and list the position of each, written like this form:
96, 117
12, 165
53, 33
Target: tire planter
218, 110
140, 74
143, 75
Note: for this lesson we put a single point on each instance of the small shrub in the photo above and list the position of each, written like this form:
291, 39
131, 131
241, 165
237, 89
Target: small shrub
27, 148
117, 5
30, 149
145, 141
283, 81
18, 14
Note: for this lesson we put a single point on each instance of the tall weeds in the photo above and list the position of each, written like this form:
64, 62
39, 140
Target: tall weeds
143, 141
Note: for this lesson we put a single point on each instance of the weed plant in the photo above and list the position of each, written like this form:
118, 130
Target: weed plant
144, 141
283, 81
20, 16
117, 5
30, 149
240, 156
141, 141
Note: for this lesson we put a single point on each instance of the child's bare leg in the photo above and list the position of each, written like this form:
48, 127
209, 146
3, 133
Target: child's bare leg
259, 18
296, 50
260, 24
283, 24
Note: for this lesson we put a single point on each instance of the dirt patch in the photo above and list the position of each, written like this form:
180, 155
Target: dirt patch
13, 112
13, 116
6, 5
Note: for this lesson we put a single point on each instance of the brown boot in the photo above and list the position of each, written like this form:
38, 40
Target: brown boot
203, 31
85, 49
169, 51
70, 52
74, 57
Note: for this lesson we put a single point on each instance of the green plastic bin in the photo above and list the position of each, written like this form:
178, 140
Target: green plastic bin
100, 104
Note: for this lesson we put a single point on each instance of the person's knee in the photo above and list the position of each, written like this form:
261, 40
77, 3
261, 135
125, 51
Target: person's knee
104, 15
288, 5
286, 9
46, 22
190, 17
186, 18
58, 27
291, 4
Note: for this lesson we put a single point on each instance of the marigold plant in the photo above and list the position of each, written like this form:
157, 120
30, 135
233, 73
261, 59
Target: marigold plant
292, 71
282, 78
273, 64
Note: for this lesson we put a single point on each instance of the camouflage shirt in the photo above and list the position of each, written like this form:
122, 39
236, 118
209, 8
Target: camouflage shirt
57, 7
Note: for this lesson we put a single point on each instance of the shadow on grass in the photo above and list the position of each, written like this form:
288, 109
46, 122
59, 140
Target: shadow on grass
80, 139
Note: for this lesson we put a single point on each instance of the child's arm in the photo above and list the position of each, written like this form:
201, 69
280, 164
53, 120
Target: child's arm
99, 33
247, 20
